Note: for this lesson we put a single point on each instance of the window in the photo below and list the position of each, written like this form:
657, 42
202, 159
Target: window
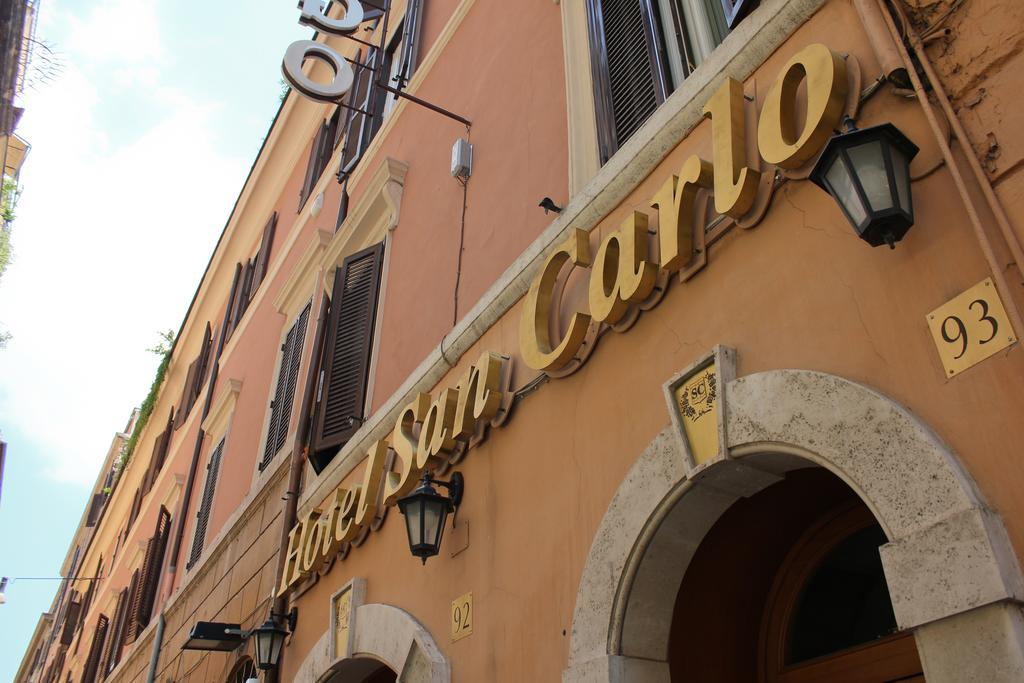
642, 50
205, 505
145, 597
284, 394
345, 364
194, 379
249, 276
92, 662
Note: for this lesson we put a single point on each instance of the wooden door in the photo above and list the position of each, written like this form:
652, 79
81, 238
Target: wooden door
828, 617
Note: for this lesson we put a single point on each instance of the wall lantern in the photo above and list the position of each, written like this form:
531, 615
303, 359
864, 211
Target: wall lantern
425, 512
269, 642
867, 171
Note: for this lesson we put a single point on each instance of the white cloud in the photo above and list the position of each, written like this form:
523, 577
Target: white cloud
116, 30
112, 235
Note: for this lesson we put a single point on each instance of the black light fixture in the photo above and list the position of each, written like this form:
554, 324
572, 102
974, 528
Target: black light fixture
214, 635
425, 512
867, 171
269, 642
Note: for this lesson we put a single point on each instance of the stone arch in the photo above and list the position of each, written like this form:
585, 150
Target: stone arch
952, 574
386, 634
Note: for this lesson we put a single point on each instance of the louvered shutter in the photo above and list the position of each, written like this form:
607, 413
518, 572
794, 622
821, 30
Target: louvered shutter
186, 394
242, 294
233, 301
284, 393
263, 255
67, 634
313, 167
92, 662
204, 363
354, 126
161, 446
346, 361
131, 625
203, 514
95, 507
410, 41
113, 654
152, 565
136, 503
629, 79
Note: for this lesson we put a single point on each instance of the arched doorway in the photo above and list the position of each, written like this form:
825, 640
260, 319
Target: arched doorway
803, 596
363, 670
952, 576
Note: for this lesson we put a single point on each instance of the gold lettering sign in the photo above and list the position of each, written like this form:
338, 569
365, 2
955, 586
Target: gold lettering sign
970, 327
696, 400
623, 274
453, 419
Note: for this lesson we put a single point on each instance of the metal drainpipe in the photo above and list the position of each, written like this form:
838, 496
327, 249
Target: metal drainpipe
297, 460
1012, 308
179, 531
154, 657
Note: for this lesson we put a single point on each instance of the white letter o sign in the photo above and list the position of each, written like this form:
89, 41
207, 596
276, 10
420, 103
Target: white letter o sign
301, 50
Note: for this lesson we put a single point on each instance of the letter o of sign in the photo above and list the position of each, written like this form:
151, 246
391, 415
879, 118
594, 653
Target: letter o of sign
301, 50
777, 138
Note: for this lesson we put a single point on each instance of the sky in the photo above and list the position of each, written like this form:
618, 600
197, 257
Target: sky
140, 147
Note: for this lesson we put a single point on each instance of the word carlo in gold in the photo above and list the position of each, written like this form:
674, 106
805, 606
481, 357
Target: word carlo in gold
445, 424
623, 272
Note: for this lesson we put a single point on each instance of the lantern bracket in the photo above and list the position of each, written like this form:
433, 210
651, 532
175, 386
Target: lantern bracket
456, 486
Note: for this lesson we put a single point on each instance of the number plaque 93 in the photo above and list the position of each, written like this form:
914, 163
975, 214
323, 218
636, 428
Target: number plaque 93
970, 327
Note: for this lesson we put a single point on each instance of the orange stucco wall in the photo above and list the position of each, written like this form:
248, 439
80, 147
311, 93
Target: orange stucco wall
798, 291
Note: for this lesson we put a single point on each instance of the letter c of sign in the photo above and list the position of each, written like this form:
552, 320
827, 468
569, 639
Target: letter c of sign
298, 52
313, 16
534, 338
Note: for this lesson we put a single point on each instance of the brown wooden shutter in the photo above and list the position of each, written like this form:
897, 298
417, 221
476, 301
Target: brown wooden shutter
204, 363
161, 446
136, 503
131, 624
313, 166
113, 654
233, 301
186, 393
346, 361
629, 80
263, 255
74, 610
152, 565
203, 514
410, 41
360, 99
284, 393
95, 508
92, 662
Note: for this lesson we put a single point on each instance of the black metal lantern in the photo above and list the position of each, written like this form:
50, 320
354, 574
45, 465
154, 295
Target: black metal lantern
269, 641
867, 171
426, 511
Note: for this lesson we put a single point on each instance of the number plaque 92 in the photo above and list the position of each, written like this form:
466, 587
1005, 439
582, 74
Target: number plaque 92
970, 327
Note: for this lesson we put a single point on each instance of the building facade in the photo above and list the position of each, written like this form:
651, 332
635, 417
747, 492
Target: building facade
706, 431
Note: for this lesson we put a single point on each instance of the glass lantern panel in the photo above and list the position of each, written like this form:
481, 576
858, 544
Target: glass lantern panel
869, 165
433, 518
413, 518
276, 645
843, 190
901, 174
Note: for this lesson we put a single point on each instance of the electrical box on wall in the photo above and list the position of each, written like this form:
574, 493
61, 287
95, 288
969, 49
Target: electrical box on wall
462, 159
